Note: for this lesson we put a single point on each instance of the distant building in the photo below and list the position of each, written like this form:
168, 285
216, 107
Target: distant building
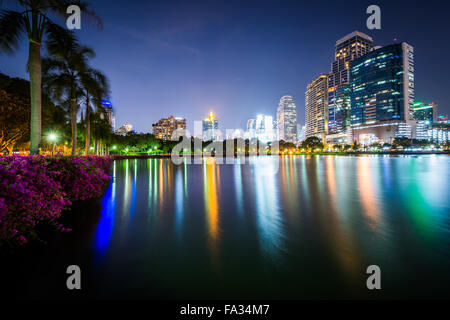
301, 132
235, 134
382, 93
316, 107
251, 129
422, 130
442, 118
126, 128
170, 128
109, 113
439, 133
264, 128
210, 128
287, 120
425, 112
347, 49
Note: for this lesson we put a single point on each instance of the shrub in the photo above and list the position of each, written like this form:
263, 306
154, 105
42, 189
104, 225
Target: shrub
37, 189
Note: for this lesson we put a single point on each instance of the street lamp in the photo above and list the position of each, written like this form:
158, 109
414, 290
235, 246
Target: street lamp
52, 138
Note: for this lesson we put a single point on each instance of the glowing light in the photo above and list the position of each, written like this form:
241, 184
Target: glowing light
52, 137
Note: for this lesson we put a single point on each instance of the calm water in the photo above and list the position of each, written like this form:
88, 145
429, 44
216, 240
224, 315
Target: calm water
292, 227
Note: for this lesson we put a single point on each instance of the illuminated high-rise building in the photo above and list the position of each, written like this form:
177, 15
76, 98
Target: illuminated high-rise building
264, 129
382, 93
347, 49
316, 107
301, 132
170, 128
210, 128
425, 112
443, 118
251, 129
109, 113
287, 120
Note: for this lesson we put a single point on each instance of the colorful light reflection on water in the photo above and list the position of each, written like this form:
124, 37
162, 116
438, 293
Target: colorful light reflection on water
289, 227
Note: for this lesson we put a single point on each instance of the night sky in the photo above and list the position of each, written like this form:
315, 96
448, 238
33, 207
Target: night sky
237, 58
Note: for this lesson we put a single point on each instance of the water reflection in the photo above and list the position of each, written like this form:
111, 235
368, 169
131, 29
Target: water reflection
210, 171
324, 217
268, 215
105, 227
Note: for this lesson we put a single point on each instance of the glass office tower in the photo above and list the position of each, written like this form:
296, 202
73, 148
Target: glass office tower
382, 91
347, 49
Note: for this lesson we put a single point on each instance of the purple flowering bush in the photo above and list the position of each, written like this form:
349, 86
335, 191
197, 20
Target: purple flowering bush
37, 189
81, 178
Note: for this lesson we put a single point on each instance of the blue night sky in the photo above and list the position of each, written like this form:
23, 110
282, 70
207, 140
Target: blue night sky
237, 58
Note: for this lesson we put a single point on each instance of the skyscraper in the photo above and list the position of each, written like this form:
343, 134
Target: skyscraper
251, 129
316, 107
382, 93
210, 128
109, 113
301, 132
170, 128
347, 49
287, 120
264, 128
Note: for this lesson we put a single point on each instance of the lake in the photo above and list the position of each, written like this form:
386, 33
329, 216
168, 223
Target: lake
293, 227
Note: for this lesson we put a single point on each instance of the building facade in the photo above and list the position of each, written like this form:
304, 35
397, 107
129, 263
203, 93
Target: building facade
442, 118
251, 129
126, 128
109, 113
264, 128
287, 120
425, 112
382, 93
169, 129
210, 128
301, 132
347, 49
439, 133
316, 107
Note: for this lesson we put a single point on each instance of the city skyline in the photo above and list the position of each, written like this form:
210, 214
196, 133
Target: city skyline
223, 75
195, 152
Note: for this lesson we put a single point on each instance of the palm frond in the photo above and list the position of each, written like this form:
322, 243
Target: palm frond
60, 41
12, 29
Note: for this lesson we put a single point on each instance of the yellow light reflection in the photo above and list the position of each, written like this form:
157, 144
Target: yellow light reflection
210, 196
367, 191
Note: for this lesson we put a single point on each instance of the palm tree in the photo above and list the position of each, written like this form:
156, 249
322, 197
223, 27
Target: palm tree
95, 87
63, 72
101, 131
34, 22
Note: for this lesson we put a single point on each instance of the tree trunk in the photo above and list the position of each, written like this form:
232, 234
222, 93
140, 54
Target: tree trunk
96, 147
34, 65
88, 125
73, 122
